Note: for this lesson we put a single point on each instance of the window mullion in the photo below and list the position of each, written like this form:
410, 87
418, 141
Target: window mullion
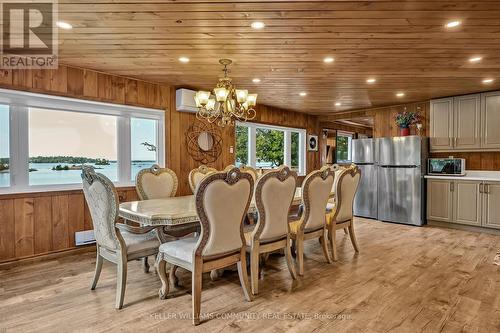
252, 137
302, 153
19, 147
124, 150
287, 146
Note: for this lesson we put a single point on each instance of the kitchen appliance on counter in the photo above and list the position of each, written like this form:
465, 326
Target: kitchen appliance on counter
364, 156
446, 166
401, 186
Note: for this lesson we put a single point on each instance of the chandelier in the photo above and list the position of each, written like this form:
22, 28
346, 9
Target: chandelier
227, 103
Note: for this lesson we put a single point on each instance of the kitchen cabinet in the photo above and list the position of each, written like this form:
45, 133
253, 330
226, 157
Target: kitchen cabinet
491, 204
475, 203
455, 123
466, 122
439, 200
441, 124
467, 202
490, 114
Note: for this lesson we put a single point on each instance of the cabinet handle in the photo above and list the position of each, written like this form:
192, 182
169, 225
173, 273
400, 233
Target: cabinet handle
481, 188
455, 143
452, 186
487, 188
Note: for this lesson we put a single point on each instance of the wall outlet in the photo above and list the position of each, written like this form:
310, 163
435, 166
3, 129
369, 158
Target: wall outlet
84, 237
231, 150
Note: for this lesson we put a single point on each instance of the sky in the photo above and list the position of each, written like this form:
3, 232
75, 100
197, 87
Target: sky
55, 133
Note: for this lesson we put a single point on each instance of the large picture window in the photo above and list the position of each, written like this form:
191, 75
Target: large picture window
45, 140
267, 147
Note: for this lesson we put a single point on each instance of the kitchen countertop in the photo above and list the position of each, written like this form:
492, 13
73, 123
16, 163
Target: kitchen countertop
471, 175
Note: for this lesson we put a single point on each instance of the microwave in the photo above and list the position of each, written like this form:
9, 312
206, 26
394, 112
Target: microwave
446, 166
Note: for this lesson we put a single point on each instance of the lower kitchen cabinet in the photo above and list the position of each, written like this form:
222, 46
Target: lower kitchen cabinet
491, 205
465, 202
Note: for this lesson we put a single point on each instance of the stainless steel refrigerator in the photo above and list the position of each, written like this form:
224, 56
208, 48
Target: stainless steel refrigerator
401, 194
364, 155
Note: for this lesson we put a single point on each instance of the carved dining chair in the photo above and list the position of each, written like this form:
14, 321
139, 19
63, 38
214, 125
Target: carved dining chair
274, 195
222, 200
156, 183
196, 175
251, 170
312, 221
113, 243
340, 216
338, 170
160, 183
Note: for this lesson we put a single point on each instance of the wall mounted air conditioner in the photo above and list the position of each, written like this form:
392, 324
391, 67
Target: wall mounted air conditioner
184, 100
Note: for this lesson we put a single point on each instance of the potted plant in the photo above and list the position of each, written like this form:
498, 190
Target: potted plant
405, 119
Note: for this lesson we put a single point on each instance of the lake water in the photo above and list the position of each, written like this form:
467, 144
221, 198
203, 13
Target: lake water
46, 176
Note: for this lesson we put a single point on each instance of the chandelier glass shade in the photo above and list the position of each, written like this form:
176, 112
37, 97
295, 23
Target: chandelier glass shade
226, 104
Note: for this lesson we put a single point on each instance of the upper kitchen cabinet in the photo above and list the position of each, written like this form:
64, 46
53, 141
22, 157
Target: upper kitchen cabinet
441, 124
465, 123
490, 112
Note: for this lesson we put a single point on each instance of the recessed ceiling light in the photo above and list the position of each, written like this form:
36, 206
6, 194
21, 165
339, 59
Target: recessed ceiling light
258, 25
338, 104
475, 59
184, 60
256, 80
453, 24
486, 81
303, 93
371, 80
64, 25
328, 60
400, 94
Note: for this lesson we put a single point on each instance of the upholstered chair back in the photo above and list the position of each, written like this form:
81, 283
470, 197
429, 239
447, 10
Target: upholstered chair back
315, 193
222, 201
274, 194
345, 192
196, 176
102, 201
251, 171
338, 170
156, 183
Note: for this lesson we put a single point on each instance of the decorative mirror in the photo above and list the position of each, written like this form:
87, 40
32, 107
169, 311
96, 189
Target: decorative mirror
204, 142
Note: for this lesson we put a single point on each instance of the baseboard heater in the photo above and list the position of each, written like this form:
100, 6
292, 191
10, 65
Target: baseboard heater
84, 237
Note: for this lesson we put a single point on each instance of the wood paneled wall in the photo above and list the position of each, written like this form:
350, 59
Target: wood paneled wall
181, 162
384, 126
384, 118
42, 223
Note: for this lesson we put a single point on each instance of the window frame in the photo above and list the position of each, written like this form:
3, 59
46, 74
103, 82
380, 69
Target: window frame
350, 136
19, 103
287, 153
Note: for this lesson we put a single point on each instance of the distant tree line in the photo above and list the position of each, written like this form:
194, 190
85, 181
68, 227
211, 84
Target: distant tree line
68, 160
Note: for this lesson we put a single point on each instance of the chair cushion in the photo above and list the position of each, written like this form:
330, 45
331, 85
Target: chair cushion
180, 249
140, 242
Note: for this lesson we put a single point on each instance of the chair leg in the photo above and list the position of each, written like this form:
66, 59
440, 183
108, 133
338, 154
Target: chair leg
293, 247
145, 264
324, 246
172, 278
254, 268
98, 269
289, 262
162, 272
121, 281
333, 242
242, 272
353, 237
196, 291
346, 231
300, 254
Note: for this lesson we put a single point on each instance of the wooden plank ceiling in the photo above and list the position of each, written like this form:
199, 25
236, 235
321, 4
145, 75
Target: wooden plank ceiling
403, 44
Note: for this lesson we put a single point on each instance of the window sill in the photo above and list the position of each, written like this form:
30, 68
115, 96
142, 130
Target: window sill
6, 193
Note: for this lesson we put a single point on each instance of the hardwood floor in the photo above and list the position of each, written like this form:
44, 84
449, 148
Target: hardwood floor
405, 279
